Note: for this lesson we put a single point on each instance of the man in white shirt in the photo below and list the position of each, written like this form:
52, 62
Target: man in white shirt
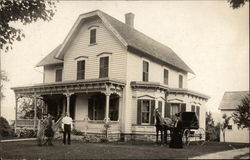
67, 126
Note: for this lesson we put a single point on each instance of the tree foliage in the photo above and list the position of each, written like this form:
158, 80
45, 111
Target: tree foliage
241, 116
3, 77
26, 108
225, 124
23, 11
235, 4
212, 130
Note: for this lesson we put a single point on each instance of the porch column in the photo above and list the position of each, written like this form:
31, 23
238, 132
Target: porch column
107, 107
35, 111
68, 101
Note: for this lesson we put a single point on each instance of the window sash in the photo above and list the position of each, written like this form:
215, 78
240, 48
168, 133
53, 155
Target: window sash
145, 114
58, 75
180, 81
104, 67
174, 108
92, 36
145, 71
80, 70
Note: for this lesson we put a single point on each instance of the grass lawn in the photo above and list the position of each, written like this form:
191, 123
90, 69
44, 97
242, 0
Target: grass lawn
116, 150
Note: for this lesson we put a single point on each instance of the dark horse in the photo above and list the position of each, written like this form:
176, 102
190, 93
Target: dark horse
162, 125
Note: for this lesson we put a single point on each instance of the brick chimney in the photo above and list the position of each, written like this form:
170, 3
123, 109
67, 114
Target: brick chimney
129, 19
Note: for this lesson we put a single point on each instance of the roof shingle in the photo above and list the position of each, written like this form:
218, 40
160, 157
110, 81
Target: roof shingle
232, 99
136, 40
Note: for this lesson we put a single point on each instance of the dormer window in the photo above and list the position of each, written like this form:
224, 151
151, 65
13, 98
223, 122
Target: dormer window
92, 36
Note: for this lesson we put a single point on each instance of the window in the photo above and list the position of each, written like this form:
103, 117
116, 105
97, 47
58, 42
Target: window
145, 111
175, 108
92, 36
196, 109
180, 81
104, 67
114, 107
165, 77
145, 71
58, 75
80, 70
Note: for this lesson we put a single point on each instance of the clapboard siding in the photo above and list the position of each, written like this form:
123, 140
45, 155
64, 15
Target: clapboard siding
105, 43
50, 72
155, 71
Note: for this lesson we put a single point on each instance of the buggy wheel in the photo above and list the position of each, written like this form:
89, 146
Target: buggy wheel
200, 136
185, 136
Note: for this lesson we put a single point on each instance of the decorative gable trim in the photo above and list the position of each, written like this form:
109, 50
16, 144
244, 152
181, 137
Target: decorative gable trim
146, 96
103, 53
175, 100
93, 26
81, 57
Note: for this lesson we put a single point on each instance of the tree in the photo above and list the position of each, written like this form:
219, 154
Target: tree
212, 130
235, 4
241, 116
225, 124
24, 12
5, 129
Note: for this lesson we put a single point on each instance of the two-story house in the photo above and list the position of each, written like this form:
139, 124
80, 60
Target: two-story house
107, 71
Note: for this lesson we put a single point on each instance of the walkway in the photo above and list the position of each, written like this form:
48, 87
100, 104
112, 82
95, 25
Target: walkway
242, 153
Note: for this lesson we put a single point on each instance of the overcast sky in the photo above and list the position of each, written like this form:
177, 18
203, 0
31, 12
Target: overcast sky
211, 37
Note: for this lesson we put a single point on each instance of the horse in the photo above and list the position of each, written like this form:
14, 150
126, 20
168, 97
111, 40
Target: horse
162, 125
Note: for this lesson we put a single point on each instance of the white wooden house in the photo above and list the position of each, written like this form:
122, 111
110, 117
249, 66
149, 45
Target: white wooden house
107, 71
228, 105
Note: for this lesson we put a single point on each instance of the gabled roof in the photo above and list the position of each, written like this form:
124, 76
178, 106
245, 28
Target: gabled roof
231, 100
50, 58
130, 38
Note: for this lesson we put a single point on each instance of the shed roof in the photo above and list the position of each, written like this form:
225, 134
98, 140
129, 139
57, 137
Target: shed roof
232, 99
133, 38
50, 58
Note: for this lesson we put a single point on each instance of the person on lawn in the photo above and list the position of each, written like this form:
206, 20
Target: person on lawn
49, 132
176, 139
67, 126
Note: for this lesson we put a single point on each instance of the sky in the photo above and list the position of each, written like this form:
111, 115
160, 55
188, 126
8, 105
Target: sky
211, 38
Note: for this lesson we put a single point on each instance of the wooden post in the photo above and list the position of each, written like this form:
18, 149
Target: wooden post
68, 101
35, 111
107, 108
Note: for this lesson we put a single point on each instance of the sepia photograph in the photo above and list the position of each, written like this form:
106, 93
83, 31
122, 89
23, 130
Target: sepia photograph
132, 79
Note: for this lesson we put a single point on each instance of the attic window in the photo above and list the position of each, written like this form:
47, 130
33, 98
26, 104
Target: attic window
92, 36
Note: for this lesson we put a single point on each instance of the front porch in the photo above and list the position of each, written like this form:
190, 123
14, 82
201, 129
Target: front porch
94, 105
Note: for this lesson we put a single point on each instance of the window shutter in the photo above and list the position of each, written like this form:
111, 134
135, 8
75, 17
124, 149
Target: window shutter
167, 110
90, 108
198, 111
139, 102
160, 106
183, 107
152, 118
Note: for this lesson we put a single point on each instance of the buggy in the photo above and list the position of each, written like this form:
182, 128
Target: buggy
191, 129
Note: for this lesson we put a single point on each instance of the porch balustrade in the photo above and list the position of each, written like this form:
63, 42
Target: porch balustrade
25, 123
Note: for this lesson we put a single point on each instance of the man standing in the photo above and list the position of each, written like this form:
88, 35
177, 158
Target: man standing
67, 125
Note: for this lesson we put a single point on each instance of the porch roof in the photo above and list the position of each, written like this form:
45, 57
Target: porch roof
188, 92
90, 85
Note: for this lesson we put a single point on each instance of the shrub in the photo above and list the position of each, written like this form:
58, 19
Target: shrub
77, 132
5, 129
26, 133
